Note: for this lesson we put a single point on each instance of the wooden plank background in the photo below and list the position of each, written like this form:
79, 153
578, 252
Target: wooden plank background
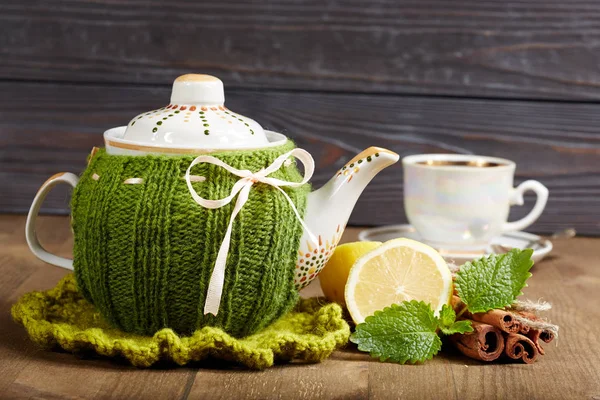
510, 79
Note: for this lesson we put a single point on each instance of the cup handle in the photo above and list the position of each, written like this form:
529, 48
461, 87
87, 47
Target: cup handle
516, 198
30, 233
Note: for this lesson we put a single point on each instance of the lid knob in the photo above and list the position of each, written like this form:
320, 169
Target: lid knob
198, 89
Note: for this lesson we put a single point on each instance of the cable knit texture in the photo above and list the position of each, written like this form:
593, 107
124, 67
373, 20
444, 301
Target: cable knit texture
144, 252
62, 317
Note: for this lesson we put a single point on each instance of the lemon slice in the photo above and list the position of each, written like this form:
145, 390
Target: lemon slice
398, 270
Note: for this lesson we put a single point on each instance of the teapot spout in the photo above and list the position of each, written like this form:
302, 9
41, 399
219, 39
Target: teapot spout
329, 209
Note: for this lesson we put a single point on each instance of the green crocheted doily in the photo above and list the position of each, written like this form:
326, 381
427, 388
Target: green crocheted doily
61, 316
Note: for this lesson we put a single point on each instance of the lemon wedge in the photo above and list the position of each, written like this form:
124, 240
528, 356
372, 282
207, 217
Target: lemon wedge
398, 270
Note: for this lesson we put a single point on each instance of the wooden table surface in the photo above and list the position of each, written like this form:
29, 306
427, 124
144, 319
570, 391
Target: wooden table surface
570, 279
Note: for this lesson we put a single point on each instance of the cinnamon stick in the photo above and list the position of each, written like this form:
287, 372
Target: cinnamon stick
485, 343
524, 329
457, 303
520, 347
537, 334
534, 336
501, 319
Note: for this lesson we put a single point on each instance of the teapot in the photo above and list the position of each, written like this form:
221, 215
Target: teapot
193, 215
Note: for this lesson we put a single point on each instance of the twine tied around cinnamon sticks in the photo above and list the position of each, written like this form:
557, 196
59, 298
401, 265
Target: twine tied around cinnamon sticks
514, 333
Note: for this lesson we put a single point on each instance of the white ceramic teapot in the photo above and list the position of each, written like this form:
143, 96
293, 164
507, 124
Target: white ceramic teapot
165, 141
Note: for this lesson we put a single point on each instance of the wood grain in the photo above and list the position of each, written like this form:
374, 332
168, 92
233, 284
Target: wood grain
570, 369
49, 128
527, 49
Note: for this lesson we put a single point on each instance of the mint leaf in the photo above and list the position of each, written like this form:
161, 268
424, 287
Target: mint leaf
457, 327
447, 316
449, 325
494, 281
404, 332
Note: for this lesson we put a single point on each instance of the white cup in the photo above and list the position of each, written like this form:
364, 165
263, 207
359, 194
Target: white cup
461, 202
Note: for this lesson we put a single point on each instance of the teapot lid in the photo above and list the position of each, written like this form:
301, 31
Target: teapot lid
196, 117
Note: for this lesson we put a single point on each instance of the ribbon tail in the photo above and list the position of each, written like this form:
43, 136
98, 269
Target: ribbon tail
312, 237
217, 279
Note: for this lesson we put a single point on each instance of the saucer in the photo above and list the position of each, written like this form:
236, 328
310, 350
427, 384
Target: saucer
520, 240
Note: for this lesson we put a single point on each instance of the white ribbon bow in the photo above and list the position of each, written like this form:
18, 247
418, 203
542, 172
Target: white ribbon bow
248, 178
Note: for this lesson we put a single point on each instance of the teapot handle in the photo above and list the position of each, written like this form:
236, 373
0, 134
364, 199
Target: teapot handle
30, 234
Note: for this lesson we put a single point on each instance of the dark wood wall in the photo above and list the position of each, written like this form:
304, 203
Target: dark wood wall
516, 79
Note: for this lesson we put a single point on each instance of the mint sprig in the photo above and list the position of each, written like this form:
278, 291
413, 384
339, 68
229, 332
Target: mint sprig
401, 333
449, 325
494, 281
408, 332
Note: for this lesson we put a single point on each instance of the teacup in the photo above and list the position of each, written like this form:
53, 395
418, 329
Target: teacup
460, 202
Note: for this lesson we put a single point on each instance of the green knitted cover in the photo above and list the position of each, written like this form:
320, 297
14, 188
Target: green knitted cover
60, 317
144, 253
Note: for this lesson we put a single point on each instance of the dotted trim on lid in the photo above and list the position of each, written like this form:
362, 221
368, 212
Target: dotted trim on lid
196, 110
165, 113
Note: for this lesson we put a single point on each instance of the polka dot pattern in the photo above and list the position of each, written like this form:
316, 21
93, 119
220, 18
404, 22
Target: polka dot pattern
353, 167
311, 260
204, 113
238, 118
